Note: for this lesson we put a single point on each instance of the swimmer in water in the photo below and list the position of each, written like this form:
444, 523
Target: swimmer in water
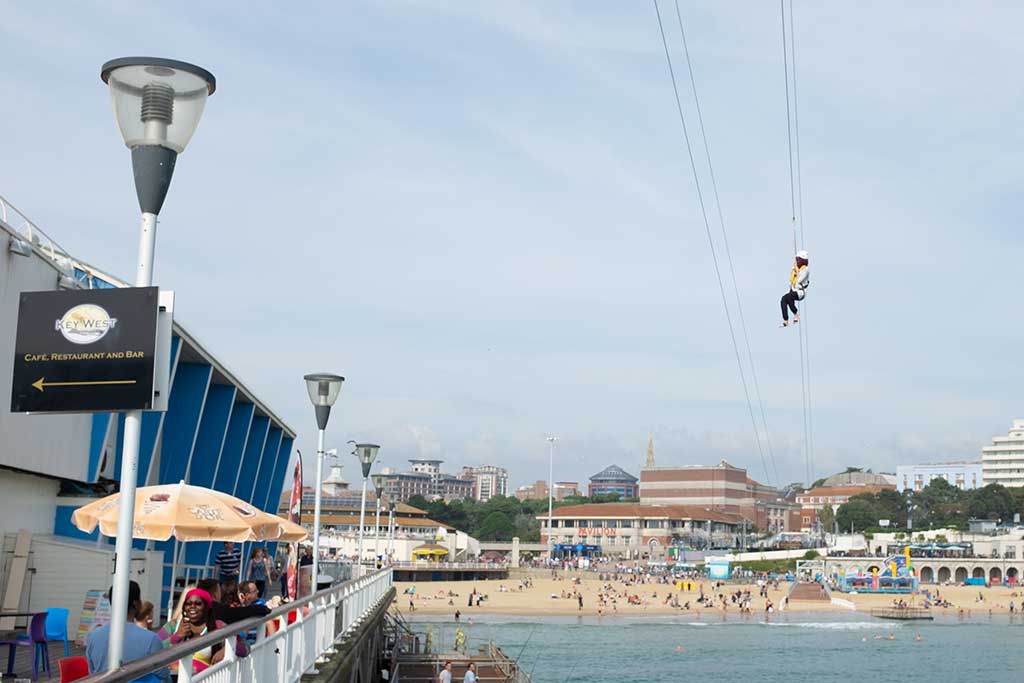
680, 648
892, 636
918, 637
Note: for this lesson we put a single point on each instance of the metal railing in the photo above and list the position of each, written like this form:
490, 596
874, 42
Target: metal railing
306, 629
427, 564
32, 233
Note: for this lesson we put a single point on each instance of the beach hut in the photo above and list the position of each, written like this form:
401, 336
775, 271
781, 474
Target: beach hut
429, 551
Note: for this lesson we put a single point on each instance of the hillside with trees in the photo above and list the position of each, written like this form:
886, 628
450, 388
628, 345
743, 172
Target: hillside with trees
938, 505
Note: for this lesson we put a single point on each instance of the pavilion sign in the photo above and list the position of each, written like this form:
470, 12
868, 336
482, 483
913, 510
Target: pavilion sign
85, 351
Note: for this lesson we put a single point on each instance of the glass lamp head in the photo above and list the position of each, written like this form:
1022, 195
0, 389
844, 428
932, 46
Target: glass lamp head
366, 452
157, 101
323, 388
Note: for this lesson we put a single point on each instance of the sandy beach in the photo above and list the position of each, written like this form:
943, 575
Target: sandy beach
506, 597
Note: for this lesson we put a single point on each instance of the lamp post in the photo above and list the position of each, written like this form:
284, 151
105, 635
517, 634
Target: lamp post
366, 453
323, 391
391, 531
378, 485
158, 104
551, 493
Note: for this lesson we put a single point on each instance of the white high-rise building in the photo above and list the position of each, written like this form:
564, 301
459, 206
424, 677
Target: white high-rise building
1002, 462
489, 481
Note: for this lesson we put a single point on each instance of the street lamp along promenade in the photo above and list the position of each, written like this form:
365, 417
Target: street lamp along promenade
378, 487
158, 104
323, 389
366, 453
551, 494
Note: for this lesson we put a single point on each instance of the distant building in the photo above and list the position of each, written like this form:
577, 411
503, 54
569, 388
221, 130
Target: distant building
614, 479
539, 490
776, 516
860, 478
335, 484
426, 479
962, 475
1002, 462
488, 481
722, 486
339, 527
813, 501
635, 530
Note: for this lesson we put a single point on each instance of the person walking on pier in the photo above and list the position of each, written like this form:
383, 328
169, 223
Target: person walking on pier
470, 676
446, 674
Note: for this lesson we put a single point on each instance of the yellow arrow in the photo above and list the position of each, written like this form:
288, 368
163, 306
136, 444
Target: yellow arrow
40, 383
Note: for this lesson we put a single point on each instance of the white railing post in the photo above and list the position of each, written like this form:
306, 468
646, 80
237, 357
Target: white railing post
185, 669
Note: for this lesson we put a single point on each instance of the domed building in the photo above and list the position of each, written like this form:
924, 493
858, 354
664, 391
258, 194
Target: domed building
614, 479
860, 479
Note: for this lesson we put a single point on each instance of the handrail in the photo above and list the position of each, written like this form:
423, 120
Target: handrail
141, 667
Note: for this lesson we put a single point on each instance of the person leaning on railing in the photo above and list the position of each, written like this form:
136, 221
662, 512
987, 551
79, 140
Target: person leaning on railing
138, 642
196, 620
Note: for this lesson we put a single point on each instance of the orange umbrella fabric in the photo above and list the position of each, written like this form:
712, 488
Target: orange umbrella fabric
185, 512
291, 532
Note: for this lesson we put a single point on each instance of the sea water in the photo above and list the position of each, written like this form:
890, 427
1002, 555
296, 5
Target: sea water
822, 647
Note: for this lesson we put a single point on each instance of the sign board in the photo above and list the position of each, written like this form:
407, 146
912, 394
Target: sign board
95, 613
90, 350
883, 522
719, 569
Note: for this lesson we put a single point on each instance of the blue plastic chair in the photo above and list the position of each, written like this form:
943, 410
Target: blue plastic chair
57, 626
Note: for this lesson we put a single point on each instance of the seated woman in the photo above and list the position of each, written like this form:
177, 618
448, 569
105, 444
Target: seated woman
197, 620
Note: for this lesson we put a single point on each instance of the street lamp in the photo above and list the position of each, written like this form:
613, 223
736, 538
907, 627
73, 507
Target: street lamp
366, 453
158, 104
551, 493
391, 531
323, 391
378, 486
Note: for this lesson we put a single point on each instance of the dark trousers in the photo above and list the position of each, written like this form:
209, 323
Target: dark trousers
788, 304
261, 586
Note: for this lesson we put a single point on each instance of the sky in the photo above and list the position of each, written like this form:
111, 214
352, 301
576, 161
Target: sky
484, 217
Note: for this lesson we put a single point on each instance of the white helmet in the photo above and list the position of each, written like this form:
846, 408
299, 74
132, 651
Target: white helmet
802, 254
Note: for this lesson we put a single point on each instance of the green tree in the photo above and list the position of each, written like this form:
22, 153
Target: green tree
939, 505
827, 518
858, 513
496, 527
991, 502
418, 501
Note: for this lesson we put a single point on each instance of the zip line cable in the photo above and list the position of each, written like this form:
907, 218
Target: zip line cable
728, 252
711, 242
805, 330
793, 184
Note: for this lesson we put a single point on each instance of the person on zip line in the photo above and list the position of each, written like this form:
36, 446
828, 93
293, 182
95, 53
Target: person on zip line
799, 281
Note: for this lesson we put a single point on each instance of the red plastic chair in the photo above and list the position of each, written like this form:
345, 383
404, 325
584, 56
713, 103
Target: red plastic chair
73, 668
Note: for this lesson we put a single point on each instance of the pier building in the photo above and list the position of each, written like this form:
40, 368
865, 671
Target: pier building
217, 432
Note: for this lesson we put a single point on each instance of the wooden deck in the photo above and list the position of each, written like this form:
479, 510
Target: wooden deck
492, 667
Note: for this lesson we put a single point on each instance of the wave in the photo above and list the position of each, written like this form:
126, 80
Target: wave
837, 625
